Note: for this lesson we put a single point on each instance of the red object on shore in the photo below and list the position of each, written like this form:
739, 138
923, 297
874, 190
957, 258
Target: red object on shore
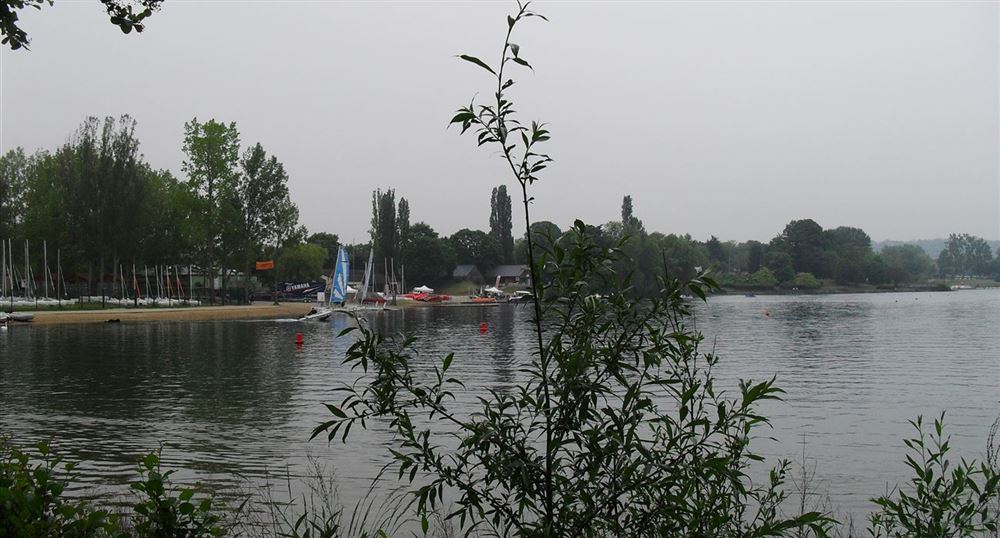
299, 340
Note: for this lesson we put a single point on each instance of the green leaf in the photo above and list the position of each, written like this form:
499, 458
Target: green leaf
478, 62
424, 524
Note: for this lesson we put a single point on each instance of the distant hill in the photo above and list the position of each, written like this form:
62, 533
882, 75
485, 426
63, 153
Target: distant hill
932, 247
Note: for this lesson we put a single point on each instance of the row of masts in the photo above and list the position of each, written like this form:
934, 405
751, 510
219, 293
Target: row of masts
391, 287
12, 280
22, 287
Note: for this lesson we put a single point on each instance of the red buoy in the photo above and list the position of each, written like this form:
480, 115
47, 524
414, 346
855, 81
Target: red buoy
482, 327
299, 340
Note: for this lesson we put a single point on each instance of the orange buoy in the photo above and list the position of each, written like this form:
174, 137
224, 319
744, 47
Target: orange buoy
482, 327
299, 340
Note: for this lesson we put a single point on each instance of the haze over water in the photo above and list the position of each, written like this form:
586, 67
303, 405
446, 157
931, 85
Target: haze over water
237, 398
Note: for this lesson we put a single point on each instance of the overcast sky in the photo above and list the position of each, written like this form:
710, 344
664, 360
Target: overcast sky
718, 118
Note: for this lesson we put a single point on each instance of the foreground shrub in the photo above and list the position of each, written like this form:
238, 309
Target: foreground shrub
942, 499
617, 427
31, 497
164, 511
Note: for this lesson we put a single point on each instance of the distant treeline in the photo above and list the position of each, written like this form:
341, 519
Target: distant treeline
98, 202
104, 207
802, 255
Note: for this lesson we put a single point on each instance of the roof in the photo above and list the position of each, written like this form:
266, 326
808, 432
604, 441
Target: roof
509, 270
464, 270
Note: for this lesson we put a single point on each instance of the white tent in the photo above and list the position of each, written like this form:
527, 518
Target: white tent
423, 289
493, 290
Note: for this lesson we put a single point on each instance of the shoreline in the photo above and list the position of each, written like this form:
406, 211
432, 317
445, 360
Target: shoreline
188, 313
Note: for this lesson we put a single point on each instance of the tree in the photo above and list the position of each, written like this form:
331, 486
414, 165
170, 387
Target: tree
211, 151
403, 223
630, 224
763, 278
86, 194
805, 242
429, 258
543, 233
780, 264
127, 15
906, 263
303, 262
755, 256
258, 194
383, 231
714, 248
965, 255
501, 222
328, 241
478, 247
684, 257
15, 169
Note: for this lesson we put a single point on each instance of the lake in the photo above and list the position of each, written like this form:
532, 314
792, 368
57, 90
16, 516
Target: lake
235, 401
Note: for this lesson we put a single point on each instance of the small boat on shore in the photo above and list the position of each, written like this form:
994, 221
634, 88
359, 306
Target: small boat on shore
16, 316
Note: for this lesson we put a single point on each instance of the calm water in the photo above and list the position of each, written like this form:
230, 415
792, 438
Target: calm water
230, 399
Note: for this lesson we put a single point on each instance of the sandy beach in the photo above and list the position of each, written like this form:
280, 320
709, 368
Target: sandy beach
196, 313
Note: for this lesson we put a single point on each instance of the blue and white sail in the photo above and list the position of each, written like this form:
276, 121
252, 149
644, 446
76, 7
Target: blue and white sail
338, 287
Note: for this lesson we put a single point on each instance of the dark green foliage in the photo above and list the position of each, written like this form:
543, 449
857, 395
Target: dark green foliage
906, 263
164, 512
32, 504
303, 262
478, 247
31, 501
428, 258
942, 499
211, 159
403, 223
965, 255
328, 241
631, 226
501, 223
804, 241
384, 231
127, 15
15, 169
780, 264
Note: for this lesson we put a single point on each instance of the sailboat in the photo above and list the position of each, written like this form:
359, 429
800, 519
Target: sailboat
338, 290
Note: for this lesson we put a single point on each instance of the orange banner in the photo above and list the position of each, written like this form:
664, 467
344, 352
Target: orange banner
263, 266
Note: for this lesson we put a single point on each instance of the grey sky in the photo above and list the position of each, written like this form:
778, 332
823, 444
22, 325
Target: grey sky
719, 118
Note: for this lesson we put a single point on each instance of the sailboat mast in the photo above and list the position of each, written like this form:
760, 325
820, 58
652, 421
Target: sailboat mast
45, 260
27, 281
60, 275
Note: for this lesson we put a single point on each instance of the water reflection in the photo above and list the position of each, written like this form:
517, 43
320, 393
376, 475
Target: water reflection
239, 397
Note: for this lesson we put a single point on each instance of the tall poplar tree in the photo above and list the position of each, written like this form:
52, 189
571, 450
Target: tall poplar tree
402, 224
212, 153
384, 231
500, 221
